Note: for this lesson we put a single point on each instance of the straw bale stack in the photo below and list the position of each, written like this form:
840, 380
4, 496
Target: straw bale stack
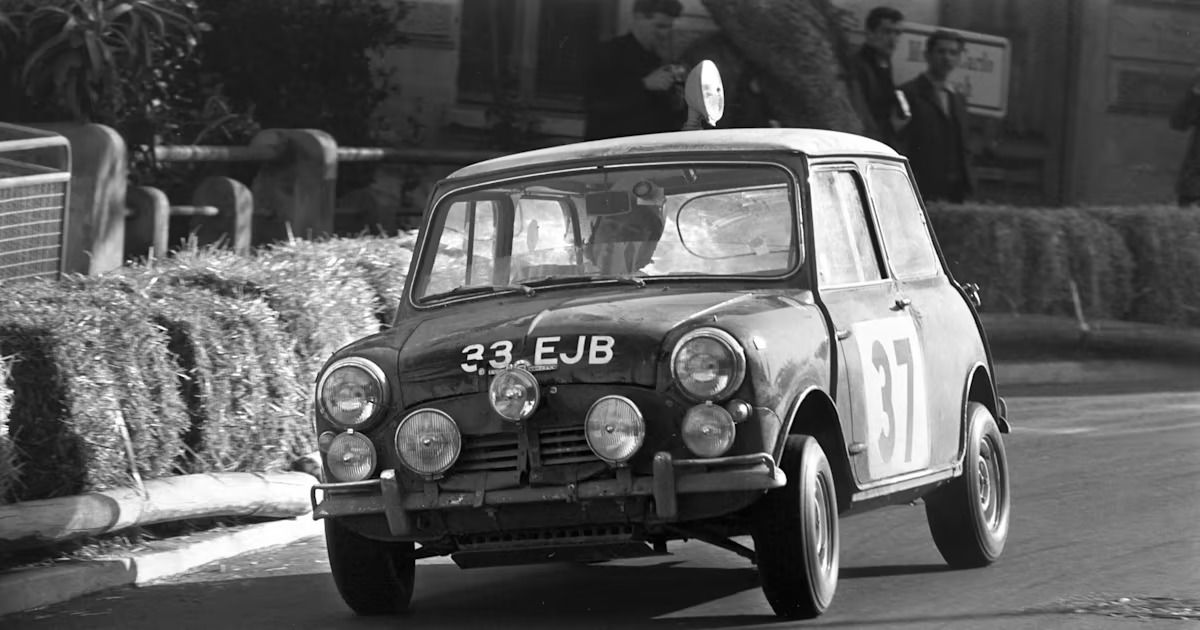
66, 404
319, 303
240, 374
8, 454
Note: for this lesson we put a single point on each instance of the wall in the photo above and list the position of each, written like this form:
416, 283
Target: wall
1136, 59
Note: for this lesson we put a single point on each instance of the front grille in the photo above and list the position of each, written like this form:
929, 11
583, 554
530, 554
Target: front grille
501, 452
564, 445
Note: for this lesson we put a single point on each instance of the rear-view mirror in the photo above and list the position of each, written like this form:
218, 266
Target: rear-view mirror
607, 203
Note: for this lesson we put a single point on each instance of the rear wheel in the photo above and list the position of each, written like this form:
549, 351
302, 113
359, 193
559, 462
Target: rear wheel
796, 538
969, 517
373, 577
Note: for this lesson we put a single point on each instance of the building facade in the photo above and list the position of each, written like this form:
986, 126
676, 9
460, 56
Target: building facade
1091, 83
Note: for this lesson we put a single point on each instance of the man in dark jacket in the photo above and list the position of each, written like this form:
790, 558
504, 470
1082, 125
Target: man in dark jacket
1187, 116
935, 138
630, 88
875, 97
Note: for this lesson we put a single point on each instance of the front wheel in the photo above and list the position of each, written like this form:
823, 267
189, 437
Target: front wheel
373, 577
795, 532
969, 517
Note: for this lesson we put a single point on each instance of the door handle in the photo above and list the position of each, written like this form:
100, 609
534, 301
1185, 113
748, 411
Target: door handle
901, 304
842, 334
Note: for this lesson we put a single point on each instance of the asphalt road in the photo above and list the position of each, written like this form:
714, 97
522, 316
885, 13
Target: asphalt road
1106, 534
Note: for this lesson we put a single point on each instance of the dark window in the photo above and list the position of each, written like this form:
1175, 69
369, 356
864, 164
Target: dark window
535, 50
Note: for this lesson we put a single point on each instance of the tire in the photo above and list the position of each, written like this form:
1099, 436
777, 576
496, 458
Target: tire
795, 531
969, 517
373, 577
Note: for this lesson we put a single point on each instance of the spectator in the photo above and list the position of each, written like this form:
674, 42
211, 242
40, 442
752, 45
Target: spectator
1187, 116
871, 69
935, 137
630, 88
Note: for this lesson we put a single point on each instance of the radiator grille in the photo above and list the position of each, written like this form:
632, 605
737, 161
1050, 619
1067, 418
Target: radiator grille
500, 452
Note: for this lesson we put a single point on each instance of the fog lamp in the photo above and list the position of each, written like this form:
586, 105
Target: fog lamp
614, 429
428, 442
708, 430
514, 393
351, 457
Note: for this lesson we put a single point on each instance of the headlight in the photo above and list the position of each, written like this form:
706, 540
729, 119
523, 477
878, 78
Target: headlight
614, 429
708, 364
352, 392
514, 393
428, 442
351, 457
708, 430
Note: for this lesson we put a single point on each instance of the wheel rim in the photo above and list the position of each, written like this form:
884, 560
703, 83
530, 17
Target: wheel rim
989, 480
821, 527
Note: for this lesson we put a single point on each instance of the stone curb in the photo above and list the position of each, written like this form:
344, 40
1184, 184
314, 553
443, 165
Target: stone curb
41, 586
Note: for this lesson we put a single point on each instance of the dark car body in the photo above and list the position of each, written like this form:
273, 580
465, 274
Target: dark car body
876, 353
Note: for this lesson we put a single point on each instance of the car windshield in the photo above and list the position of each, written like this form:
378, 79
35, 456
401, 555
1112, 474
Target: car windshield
625, 224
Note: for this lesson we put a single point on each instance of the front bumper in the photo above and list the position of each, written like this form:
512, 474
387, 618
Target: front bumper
670, 478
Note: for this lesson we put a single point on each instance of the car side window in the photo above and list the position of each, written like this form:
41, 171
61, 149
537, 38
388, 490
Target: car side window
902, 224
845, 251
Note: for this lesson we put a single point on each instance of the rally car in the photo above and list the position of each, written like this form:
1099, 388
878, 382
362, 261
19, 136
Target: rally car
734, 336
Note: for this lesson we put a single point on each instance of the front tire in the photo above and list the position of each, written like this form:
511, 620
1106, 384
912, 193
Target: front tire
373, 577
969, 517
796, 539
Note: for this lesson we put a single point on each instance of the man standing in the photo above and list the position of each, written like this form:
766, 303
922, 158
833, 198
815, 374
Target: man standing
630, 89
935, 138
1187, 116
871, 67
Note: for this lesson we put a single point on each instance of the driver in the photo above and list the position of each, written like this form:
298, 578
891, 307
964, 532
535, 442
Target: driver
624, 243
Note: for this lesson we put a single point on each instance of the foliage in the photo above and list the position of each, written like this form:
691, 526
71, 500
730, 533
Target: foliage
302, 63
101, 61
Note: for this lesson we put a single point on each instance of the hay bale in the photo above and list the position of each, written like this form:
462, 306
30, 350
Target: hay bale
320, 305
247, 406
66, 401
1164, 242
8, 454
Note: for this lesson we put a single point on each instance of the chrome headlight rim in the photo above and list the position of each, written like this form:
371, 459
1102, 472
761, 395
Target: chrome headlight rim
375, 372
434, 474
638, 442
735, 350
351, 434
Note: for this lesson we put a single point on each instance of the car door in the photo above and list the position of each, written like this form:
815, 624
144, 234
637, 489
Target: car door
881, 377
944, 323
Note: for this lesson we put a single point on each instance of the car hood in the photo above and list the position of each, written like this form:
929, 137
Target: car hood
609, 338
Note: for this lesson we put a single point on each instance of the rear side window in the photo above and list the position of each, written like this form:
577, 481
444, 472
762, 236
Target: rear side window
845, 251
902, 224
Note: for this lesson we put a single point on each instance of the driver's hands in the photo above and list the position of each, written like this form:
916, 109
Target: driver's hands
660, 80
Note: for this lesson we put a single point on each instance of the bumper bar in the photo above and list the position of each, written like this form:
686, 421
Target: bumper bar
671, 477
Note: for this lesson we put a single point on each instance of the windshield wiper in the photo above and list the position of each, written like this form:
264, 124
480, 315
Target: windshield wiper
553, 280
491, 288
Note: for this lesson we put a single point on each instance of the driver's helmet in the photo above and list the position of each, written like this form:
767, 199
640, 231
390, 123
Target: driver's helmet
625, 243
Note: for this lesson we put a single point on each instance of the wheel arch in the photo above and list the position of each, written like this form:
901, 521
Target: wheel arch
981, 388
814, 413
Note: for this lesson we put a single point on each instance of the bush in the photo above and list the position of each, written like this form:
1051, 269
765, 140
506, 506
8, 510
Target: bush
8, 454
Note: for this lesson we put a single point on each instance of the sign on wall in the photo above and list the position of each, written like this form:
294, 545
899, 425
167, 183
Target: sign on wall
981, 77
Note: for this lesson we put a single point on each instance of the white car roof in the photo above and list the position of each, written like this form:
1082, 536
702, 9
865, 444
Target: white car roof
811, 142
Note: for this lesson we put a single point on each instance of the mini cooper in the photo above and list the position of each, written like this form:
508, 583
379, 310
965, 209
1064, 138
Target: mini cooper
736, 336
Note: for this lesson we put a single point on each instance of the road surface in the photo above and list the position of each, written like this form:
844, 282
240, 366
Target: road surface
1105, 534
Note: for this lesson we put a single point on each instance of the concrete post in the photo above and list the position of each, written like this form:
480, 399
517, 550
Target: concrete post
235, 210
297, 194
95, 238
148, 226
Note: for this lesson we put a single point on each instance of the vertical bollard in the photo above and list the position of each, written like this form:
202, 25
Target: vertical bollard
298, 191
148, 227
235, 208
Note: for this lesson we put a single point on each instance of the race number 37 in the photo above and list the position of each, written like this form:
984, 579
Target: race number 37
893, 385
